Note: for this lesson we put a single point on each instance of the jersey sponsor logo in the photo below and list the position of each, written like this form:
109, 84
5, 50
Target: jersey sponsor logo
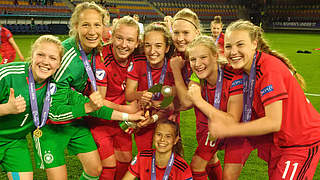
237, 83
53, 88
134, 161
48, 157
130, 68
100, 74
266, 90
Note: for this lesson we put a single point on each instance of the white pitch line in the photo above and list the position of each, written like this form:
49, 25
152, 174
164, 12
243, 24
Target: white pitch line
310, 94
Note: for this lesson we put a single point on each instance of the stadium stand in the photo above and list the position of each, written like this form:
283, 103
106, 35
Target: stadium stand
280, 14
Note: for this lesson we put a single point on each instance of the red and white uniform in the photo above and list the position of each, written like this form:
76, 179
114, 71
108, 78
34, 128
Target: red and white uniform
8, 53
294, 154
139, 73
232, 85
107, 134
221, 43
141, 167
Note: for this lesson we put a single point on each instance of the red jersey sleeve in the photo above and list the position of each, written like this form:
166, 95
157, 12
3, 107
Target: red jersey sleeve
135, 166
101, 75
8, 34
272, 87
236, 85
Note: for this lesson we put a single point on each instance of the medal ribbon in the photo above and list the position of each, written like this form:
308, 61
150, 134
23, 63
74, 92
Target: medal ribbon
248, 91
186, 75
217, 39
168, 169
34, 105
88, 67
156, 96
217, 95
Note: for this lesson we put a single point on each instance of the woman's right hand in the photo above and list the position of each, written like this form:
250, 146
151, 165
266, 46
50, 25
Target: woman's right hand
145, 100
136, 117
16, 105
177, 63
96, 100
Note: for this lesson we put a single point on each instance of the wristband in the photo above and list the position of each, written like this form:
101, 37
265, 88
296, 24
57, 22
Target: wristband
155, 117
125, 116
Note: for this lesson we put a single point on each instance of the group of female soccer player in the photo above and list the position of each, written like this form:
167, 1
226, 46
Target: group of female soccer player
245, 95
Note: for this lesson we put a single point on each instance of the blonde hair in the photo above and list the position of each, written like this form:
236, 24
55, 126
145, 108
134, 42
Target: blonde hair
168, 18
256, 33
48, 38
207, 42
74, 20
217, 20
128, 21
189, 16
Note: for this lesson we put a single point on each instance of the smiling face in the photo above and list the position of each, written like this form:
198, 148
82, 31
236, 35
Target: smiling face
155, 48
203, 62
216, 29
183, 33
239, 49
89, 28
45, 61
124, 40
164, 138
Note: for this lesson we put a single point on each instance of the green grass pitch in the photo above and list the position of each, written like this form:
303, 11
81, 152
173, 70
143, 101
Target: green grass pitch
287, 43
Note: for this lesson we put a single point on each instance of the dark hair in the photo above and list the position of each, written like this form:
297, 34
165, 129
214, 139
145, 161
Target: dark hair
177, 148
161, 27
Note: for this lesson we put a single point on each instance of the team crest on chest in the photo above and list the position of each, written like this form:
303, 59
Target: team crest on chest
130, 68
100, 74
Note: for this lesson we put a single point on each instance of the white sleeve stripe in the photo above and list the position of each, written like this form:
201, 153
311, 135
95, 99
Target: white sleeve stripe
65, 60
61, 115
19, 72
4, 70
65, 67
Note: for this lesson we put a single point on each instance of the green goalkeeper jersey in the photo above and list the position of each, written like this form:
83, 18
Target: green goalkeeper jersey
15, 75
66, 103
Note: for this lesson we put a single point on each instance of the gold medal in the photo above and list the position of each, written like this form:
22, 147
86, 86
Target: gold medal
37, 133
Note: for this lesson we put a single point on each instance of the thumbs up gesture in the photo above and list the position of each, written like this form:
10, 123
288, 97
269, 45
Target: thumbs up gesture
16, 105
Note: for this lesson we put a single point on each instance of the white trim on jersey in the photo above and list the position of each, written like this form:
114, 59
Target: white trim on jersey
66, 60
11, 70
61, 117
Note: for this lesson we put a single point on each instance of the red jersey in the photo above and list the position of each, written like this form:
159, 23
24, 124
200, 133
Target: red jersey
221, 43
274, 82
5, 45
107, 34
232, 85
139, 73
116, 75
141, 167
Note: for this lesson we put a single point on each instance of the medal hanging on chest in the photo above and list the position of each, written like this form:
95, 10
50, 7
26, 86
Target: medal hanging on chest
88, 68
168, 168
248, 91
217, 95
34, 105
